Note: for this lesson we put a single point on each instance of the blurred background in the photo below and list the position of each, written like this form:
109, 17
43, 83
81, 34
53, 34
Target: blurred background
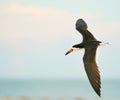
34, 37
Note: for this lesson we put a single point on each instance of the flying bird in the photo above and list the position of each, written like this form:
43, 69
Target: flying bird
90, 44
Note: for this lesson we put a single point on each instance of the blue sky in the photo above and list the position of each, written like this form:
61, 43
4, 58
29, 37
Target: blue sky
35, 34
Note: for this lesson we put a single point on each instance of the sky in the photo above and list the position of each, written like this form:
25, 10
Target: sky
35, 35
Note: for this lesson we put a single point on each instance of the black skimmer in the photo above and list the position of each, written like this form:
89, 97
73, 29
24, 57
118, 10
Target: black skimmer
90, 44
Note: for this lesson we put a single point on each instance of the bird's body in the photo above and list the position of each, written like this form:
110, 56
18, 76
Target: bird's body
90, 44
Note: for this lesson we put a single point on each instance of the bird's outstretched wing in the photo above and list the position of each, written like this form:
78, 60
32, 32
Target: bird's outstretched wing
91, 68
81, 26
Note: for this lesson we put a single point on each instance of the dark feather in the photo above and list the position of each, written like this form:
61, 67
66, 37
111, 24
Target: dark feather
81, 26
91, 67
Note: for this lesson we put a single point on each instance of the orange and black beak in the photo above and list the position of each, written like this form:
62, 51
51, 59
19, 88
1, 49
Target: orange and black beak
71, 50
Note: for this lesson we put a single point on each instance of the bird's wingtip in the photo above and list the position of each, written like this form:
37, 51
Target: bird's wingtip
81, 24
98, 93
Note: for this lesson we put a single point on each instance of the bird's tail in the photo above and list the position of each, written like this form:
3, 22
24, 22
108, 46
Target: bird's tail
104, 43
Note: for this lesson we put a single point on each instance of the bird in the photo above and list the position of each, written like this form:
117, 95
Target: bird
90, 45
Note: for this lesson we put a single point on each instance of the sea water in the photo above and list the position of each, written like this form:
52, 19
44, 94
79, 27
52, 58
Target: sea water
59, 88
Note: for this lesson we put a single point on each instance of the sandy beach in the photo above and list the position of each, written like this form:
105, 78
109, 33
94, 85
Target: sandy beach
26, 98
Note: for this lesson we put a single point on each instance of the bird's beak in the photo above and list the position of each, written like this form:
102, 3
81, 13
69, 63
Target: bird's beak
71, 50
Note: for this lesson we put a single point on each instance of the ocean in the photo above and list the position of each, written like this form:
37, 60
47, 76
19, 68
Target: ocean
59, 88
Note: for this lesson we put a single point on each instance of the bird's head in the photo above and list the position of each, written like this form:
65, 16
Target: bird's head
71, 50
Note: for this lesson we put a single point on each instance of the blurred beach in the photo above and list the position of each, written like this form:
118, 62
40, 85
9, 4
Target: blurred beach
25, 98
57, 90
